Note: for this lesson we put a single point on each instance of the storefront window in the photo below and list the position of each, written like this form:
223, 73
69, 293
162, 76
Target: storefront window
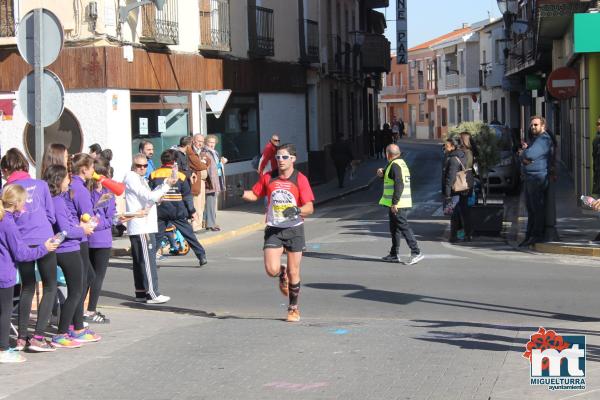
237, 128
160, 118
65, 131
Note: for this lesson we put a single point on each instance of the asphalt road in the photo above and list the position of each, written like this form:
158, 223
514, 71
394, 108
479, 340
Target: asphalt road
453, 326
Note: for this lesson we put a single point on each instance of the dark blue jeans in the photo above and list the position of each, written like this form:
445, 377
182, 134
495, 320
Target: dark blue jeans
535, 199
399, 228
186, 231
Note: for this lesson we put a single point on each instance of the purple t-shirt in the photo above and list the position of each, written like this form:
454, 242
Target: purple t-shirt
66, 221
102, 236
13, 249
35, 221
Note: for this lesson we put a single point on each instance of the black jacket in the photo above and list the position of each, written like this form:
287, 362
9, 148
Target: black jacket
452, 167
178, 202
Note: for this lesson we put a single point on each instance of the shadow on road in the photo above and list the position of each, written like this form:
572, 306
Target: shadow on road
495, 342
385, 296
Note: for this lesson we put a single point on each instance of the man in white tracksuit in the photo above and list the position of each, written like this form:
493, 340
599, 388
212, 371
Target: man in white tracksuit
141, 200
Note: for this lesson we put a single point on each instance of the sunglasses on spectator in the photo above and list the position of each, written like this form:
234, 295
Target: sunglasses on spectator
276, 140
141, 165
282, 157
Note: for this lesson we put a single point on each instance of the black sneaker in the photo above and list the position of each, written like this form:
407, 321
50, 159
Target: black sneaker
96, 318
391, 258
203, 261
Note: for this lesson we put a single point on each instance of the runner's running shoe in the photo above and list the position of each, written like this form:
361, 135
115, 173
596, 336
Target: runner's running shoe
293, 314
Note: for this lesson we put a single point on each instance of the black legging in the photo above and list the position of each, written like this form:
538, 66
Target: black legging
47, 268
88, 276
72, 268
99, 259
6, 305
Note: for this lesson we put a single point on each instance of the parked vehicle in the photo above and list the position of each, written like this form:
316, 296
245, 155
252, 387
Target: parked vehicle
505, 176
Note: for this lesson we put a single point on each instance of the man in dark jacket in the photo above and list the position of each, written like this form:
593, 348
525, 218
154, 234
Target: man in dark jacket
535, 158
177, 205
341, 154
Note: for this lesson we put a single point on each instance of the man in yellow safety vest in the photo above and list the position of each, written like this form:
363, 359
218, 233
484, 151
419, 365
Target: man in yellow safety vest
396, 196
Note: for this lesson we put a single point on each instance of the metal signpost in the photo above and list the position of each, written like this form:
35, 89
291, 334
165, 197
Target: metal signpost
41, 93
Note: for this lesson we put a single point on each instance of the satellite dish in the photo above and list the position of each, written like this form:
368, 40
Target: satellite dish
519, 27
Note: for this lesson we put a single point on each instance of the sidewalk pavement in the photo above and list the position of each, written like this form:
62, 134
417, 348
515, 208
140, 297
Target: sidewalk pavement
250, 217
577, 228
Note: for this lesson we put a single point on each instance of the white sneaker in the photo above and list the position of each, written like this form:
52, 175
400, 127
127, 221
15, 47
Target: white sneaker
158, 300
11, 356
414, 258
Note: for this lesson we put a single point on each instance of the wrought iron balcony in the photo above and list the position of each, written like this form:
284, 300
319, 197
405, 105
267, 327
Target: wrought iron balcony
160, 27
375, 53
7, 19
334, 54
311, 41
394, 90
215, 28
520, 54
261, 32
451, 80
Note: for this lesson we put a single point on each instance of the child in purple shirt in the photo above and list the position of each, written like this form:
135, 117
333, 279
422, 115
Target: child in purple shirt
35, 225
69, 259
80, 203
13, 249
100, 241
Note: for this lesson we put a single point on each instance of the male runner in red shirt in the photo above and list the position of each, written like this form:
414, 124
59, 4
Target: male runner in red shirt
290, 198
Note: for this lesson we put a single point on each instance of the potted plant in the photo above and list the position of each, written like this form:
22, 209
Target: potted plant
486, 218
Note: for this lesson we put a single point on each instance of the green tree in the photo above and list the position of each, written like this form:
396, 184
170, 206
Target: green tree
487, 144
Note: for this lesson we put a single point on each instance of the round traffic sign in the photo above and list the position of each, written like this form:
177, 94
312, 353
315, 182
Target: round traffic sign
51, 37
53, 98
563, 83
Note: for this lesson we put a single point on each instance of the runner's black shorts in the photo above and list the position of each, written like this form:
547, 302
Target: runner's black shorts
292, 239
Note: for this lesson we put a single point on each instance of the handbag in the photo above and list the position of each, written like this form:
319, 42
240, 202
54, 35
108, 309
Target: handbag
460, 183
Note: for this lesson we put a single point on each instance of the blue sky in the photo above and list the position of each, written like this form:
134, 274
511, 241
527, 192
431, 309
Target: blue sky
428, 19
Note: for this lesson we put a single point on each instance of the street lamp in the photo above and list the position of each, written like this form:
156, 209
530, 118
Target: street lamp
508, 6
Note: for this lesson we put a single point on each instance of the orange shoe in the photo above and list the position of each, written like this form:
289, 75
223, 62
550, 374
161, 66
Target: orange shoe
283, 281
293, 315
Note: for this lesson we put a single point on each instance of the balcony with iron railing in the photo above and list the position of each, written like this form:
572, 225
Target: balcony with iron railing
520, 54
400, 91
7, 19
261, 32
452, 80
334, 54
311, 41
215, 26
160, 27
